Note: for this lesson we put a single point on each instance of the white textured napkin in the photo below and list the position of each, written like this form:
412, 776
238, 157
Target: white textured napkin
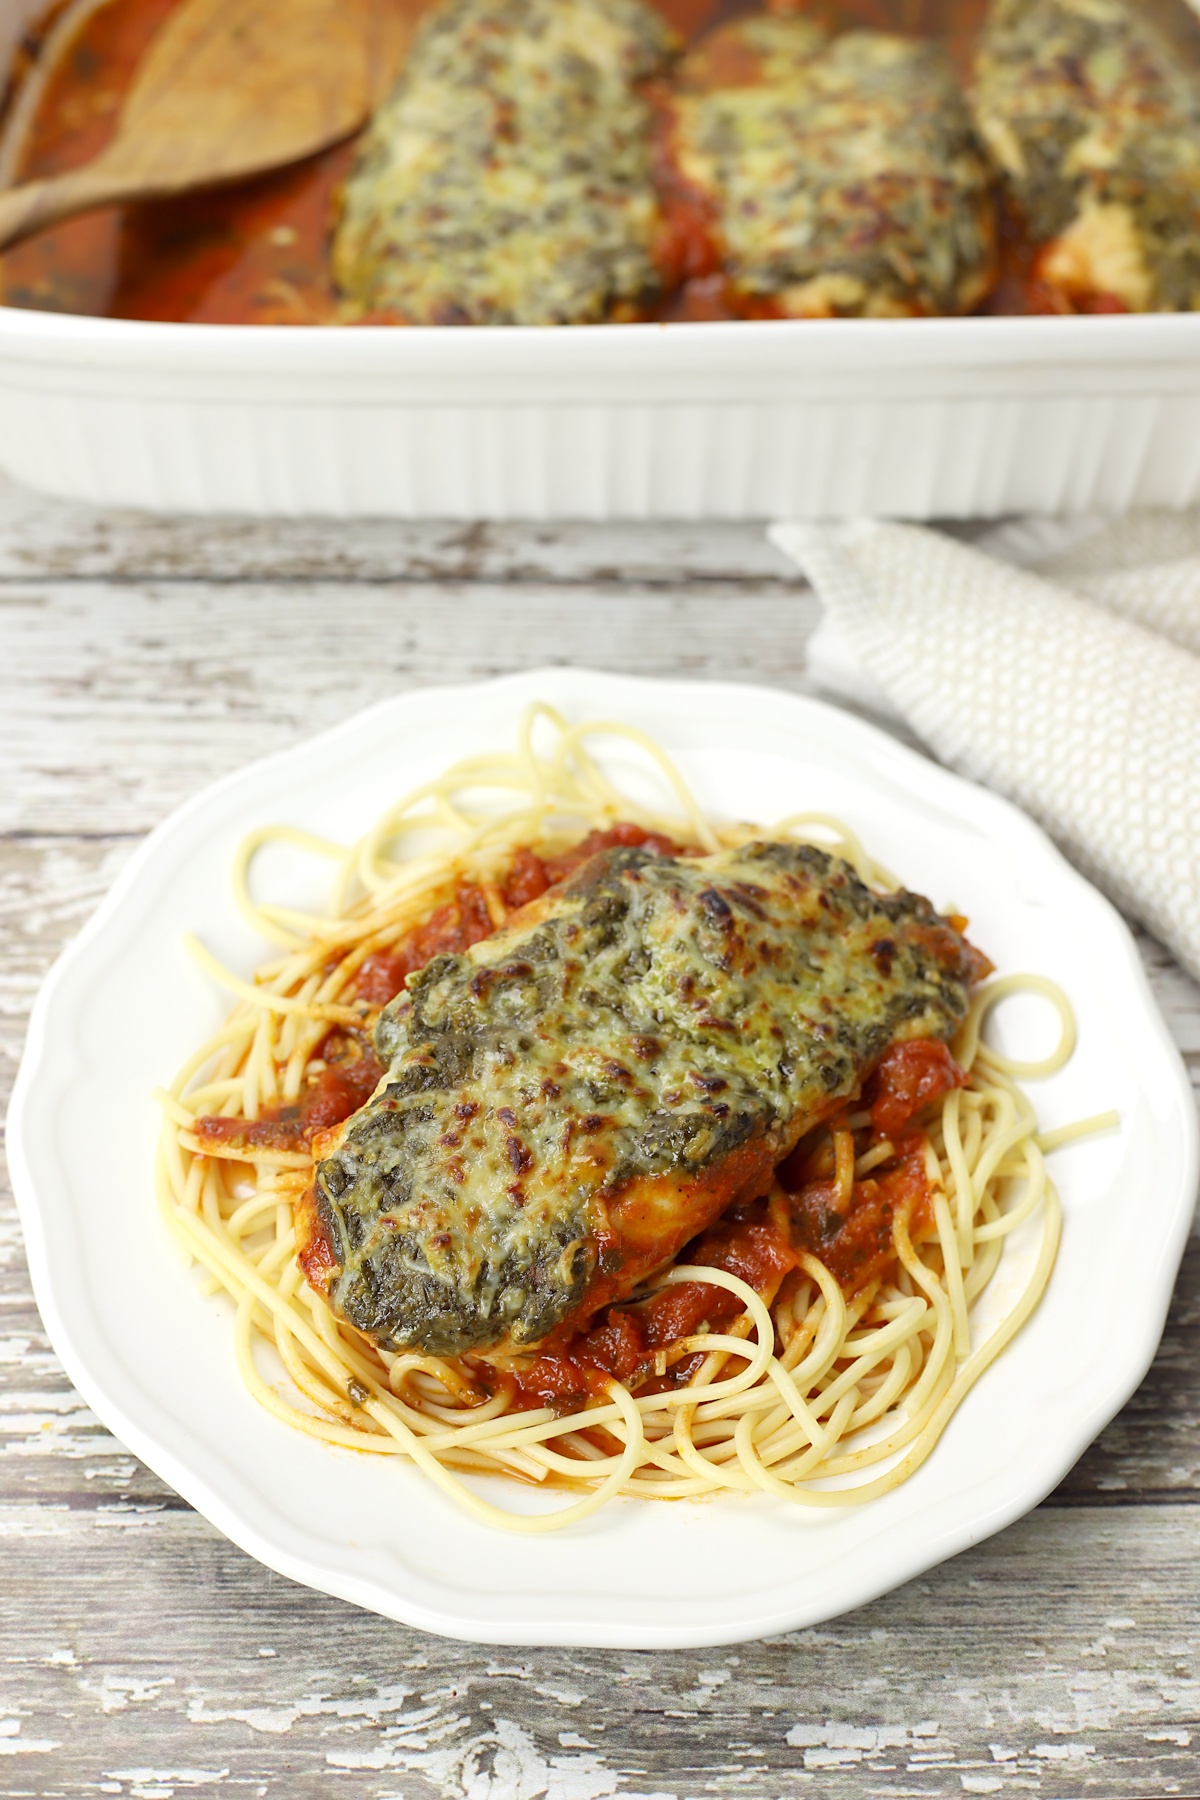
1074, 690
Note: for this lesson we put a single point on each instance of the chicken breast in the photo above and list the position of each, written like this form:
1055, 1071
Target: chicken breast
1093, 115
569, 1103
836, 175
507, 180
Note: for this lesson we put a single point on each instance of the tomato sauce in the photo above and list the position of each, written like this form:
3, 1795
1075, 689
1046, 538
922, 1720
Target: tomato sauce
854, 1241
856, 1246
626, 1341
349, 1078
909, 1078
257, 252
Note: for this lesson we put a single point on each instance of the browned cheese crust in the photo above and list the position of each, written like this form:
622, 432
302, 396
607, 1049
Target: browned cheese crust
571, 1101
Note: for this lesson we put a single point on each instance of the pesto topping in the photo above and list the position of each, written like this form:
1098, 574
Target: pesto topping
843, 174
663, 1013
1094, 118
507, 179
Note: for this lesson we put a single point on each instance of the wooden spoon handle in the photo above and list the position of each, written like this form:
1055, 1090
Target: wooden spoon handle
36, 204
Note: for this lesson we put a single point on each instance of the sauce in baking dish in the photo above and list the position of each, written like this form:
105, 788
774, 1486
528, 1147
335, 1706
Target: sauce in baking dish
258, 253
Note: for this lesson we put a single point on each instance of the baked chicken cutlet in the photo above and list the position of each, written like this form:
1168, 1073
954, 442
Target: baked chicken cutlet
833, 175
1093, 115
571, 1101
507, 179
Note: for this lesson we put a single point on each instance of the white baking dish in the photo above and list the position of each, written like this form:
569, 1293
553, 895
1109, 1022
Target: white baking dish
949, 417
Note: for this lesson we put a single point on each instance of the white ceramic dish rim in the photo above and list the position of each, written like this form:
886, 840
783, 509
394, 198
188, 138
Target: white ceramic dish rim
111, 1391
1121, 353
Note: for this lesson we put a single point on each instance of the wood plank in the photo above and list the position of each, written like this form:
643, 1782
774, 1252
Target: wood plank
124, 700
56, 539
1062, 1658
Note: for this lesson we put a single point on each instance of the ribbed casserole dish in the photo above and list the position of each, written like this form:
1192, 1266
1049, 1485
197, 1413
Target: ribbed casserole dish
918, 418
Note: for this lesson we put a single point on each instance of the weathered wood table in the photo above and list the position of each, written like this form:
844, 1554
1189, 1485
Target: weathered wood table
140, 1653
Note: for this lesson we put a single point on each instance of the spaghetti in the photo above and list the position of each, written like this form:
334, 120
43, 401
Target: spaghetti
823, 1379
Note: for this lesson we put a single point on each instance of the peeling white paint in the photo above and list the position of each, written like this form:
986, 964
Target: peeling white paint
560, 1695
13, 1744
160, 1784
115, 1691
1113, 1695
115, 1471
832, 1758
859, 1738
501, 1763
41, 1406
51, 1423
275, 1720
130, 1520
44, 1521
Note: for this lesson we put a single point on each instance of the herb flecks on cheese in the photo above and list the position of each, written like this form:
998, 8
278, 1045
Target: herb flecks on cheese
1094, 117
571, 1101
842, 175
507, 180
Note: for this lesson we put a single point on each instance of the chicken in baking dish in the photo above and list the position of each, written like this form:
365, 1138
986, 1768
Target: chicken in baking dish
1094, 119
569, 1102
832, 175
507, 181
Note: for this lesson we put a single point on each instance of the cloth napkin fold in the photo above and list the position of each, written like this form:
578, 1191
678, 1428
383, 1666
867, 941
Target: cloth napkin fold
1058, 664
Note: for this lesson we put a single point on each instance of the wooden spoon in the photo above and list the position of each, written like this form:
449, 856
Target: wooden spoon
228, 89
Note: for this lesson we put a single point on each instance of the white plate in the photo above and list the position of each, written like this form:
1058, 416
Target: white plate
156, 1359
